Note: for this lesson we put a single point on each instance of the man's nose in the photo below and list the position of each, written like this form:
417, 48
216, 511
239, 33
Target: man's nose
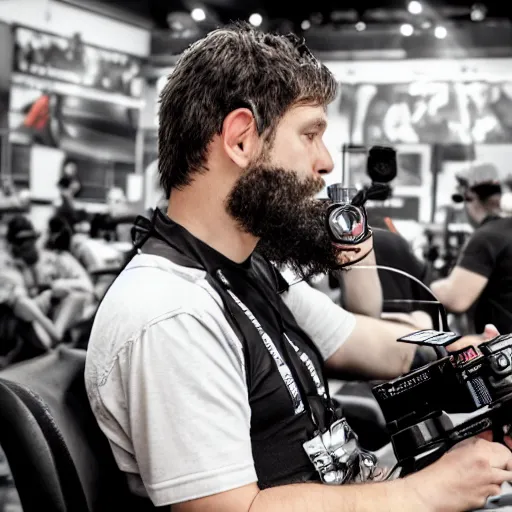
324, 163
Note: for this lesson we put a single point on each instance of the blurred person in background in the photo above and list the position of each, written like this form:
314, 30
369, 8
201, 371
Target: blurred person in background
69, 188
70, 171
197, 416
394, 251
482, 276
506, 197
59, 235
51, 277
121, 213
10, 198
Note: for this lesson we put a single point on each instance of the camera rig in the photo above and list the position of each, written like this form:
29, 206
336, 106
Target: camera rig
472, 380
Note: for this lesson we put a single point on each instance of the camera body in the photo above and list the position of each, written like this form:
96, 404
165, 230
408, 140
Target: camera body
416, 404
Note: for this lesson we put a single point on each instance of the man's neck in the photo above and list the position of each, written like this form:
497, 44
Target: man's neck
200, 209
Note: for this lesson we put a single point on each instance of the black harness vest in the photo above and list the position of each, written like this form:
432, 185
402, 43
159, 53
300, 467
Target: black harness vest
277, 430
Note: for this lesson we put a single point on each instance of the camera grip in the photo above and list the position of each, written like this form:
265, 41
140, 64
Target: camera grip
431, 452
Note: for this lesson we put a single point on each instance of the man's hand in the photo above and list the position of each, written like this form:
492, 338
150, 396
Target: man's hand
474, 340
488, 436
463, 478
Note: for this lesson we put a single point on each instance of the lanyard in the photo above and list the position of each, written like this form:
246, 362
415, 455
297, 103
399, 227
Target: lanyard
320, 388
285, 370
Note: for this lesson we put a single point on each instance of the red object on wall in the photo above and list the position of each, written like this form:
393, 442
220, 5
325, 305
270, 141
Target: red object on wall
39, 114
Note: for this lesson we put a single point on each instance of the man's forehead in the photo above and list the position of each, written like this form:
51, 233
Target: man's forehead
305, 114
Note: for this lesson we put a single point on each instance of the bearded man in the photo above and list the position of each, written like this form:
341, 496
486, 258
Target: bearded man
205, 366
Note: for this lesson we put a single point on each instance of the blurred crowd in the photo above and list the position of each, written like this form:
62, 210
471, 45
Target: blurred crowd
52, 280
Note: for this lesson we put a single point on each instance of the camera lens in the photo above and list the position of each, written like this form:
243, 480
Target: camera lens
347, 223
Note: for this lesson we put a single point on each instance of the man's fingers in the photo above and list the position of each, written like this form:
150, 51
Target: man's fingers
498, 476
499, 455
490, 332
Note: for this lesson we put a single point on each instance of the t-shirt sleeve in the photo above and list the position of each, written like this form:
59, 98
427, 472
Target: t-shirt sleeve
326, 323
188, 410
481, 252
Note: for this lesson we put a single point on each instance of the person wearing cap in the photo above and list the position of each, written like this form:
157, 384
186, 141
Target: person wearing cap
55, 281
482, 277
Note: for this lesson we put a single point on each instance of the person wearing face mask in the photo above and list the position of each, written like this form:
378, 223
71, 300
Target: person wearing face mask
205, 365
482, 278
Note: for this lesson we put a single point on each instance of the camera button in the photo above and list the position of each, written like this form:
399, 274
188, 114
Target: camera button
502, 361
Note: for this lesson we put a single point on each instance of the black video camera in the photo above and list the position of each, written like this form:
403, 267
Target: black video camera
415, 405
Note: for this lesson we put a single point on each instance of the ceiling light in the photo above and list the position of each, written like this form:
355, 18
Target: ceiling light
415, 7
407, 30
256, 19
478, 12
198, 14
305, 25
440, 32
360, 26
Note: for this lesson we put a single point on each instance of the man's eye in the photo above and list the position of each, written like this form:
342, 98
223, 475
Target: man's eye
311, 136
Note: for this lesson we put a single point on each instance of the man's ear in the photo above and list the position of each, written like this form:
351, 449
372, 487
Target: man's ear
240, 136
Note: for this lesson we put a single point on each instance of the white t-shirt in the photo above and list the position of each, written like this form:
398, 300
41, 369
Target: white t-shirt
165, 377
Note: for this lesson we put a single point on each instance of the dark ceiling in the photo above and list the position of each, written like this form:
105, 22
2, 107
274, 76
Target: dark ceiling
333, 29
154, 12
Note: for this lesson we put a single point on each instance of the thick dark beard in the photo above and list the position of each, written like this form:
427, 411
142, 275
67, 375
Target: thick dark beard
274, 205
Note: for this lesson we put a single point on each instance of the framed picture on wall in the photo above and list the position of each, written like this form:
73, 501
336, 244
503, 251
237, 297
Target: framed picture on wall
70, 60
431, 112
98, 136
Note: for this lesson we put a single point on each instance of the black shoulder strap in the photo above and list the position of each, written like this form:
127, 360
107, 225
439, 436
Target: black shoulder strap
270, 273
160, 248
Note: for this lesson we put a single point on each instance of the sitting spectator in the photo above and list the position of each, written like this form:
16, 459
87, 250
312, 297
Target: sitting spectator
59, 234
25, 330
50, 283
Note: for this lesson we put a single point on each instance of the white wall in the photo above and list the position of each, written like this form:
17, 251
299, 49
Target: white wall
376, 72
65, 20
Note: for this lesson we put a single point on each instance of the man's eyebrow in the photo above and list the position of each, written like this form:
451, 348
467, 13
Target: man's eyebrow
319, 123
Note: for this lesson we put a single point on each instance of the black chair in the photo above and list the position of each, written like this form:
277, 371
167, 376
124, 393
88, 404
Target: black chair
59, 458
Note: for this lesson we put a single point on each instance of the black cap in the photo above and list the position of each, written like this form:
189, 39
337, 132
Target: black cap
480, 178
20, 229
